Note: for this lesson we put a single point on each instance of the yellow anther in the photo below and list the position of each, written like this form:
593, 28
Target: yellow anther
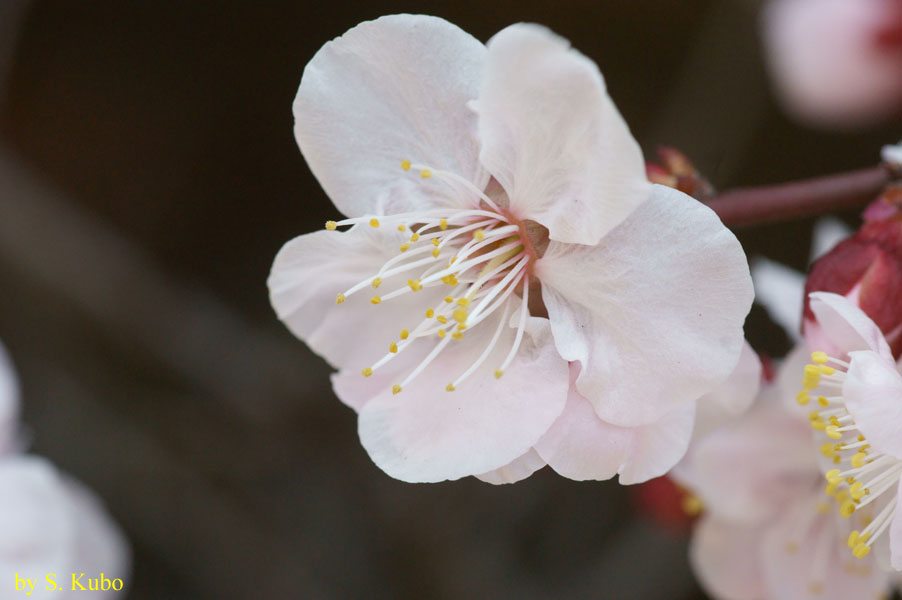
819, 357
457, 335
834, 421
415, 237
442, 319
842, 496
833, 476
861, 438
443, 224
498, 373
823, 508
692, 505
853, 538
811, 370
376, 300
830, 490
367, 371
827, 449
435, 252
803, 398
791, 547
435, 242
402, 227
814, 415
836, 460
430, 313
405, 246
463, 301
825, 370
414, 284
331, 225
460, 315
479, 235
449, 299
819, 424
405, 164
451, 262
442, 333
861, 550
404, 334
461, 326
832, 432
377, 281
339, 299
425, 173
858, 460
450, 387
374, 222
396, 389
823, 401
846, 509
857, 490
393, 347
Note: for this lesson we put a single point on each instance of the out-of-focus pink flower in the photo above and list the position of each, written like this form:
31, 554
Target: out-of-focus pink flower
866, 269
767, 531
858, 388
510, 160
53, 524
836, 63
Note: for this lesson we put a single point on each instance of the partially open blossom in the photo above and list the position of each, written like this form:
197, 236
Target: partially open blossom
505, 271
856, 392
866, 269
767, 531
834, 62
52, 524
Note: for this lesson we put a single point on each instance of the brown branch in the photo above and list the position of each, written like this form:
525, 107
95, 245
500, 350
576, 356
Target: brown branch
756, 205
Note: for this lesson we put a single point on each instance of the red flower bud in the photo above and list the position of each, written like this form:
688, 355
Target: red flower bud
867, 269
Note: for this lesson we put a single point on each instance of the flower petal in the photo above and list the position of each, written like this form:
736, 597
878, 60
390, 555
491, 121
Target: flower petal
781, 291
553, 138
732, 397
519, 469
844, 326
895, 533
100, 545
311, 270
425, 434
581, 446
749, 470
724, 557
873, 396
654, 313
386, 91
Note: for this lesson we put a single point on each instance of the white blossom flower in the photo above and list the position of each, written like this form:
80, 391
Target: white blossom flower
857, 394
836, 62
767, 532
53, 524
486, 187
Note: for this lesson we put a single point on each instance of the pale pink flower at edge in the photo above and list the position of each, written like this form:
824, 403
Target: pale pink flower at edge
768, 531
836, 63
510, 159
862, 386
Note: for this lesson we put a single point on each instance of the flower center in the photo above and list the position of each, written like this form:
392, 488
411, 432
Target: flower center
482, 255
863, 476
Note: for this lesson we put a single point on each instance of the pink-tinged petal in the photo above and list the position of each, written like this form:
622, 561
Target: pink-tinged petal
51, 525
425, 434
827, 61
749, 470
9, 404
809, 562
581, 446
386, 91
723, 554
787, 383
731, 398
844, 326
780, 290
519, 469
311, 270
654, 313
895, 533
828, 232
554, 139
873, 396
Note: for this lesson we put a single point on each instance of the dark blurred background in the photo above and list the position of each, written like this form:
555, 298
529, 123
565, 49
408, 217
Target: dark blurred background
148, 176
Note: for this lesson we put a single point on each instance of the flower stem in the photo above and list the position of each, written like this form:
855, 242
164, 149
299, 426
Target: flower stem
756, 205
